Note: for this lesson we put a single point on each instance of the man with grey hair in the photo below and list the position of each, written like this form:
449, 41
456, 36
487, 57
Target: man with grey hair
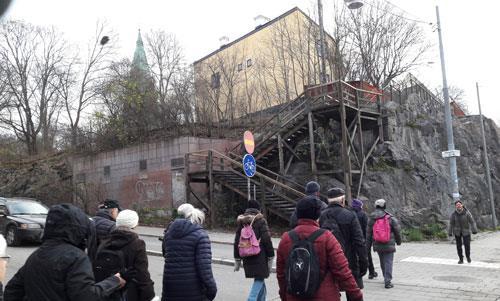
344, 224
384, 232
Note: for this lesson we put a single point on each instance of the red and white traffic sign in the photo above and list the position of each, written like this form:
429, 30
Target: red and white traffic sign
249, 142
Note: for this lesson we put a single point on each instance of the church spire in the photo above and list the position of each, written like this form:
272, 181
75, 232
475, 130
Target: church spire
140, 62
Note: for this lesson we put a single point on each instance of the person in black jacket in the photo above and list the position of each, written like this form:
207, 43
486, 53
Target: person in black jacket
187, 274
258, 266
59, 270
345, 226
134, 250
105, 219
312, 189
357, 206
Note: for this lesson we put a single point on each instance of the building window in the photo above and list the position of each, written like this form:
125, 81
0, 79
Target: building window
240, 67
249, 62
80, 178
215, 81
107, 170
177, 162
143, 165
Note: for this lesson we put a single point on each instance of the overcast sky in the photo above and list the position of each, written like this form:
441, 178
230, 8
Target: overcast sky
470, 30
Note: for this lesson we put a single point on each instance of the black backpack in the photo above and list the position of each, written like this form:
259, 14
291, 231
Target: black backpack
107, 263
332, 225
303, 274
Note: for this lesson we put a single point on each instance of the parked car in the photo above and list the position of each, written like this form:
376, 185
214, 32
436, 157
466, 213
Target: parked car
22, 219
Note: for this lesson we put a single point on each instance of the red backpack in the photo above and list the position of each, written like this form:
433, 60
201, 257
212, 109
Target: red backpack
382, 229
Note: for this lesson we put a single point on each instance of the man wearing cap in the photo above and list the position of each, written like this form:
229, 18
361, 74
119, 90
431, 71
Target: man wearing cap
344, 224
312, 189
462, 224
385, 250
105, 219
333, 264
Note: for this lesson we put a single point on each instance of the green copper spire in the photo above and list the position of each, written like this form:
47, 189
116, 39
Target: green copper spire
140, 62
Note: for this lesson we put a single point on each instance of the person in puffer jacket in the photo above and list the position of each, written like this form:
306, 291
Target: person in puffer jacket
59, 270
258, 266
385, 250
462, 224
187, 274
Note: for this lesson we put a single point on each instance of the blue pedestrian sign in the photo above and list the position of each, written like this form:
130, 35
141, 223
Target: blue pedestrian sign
249, 165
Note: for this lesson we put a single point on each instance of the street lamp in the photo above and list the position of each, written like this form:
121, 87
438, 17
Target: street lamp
451, 153
354, 4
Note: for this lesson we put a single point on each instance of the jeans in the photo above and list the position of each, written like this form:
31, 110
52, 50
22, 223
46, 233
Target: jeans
258, 291
386, 260
466, 243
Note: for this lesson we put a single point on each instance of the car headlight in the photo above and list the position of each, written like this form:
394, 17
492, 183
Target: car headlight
29, 226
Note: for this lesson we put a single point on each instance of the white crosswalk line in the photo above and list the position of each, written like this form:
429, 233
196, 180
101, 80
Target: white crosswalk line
447, 261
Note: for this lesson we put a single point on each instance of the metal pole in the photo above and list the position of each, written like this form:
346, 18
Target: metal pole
248, 189
447, 115
322, 47
487, 163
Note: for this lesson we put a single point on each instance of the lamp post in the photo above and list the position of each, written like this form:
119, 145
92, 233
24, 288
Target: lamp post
487, 163
451, 153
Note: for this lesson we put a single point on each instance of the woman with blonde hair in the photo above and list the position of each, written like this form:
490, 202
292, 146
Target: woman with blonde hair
187, 273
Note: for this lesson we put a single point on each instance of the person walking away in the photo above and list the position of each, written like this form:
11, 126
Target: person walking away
384, 232
323, 265
344, 225
462, 224
105, 219
357, 206
59, 270
187, 274
313, 189
123, 250
253, 245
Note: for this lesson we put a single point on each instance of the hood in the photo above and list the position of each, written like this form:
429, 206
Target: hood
181, 227
120, 237
104, 214
67, 223
379, 213
463, 211
29, 219
247, 217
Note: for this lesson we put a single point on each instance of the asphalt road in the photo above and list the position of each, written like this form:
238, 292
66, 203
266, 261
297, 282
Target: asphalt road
231, 286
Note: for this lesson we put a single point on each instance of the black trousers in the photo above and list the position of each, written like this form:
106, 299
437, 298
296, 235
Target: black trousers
466, 242
371, 268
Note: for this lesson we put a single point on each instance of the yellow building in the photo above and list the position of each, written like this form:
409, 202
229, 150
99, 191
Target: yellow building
268, 66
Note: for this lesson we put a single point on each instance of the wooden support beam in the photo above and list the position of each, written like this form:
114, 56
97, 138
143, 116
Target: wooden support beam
263, 196
290, 149
361, 144
311, 144
345, 155
186, 177
379, 120
280, 154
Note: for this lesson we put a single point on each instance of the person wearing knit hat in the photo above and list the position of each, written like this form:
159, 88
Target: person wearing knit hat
123, 239
312, 190
344, 225
462, 225
357, 207
257, 266
328, 252
381, 219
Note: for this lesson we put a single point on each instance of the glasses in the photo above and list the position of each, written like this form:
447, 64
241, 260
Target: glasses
5, 258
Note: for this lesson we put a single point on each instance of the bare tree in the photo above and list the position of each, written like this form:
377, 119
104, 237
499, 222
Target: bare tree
79, 80
456, 95
378, 45
30, 60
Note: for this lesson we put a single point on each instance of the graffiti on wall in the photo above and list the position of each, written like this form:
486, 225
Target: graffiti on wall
149, 190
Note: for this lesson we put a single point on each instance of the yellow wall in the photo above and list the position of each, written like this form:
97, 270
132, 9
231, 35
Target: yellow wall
283, 59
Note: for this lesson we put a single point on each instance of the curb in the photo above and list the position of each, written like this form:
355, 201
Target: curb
220, 261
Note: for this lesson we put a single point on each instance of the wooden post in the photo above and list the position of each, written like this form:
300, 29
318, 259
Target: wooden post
311, 144
211, 188
379, 120
186, 177
263, 196
345, 155
280, 154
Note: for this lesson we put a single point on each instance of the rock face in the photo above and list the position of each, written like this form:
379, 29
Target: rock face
48, 180
409, 172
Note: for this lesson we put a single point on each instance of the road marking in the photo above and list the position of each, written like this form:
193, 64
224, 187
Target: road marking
446, 261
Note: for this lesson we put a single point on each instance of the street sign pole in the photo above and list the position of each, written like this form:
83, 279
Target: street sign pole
248, 188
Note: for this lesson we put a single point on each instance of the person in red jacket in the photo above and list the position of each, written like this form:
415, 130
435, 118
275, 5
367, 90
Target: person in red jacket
333, 263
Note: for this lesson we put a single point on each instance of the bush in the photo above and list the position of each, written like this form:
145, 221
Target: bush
413, 234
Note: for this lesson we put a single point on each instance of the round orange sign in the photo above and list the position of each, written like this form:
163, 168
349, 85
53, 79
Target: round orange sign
249, 142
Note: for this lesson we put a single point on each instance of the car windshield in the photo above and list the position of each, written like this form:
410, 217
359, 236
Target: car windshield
26, 208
